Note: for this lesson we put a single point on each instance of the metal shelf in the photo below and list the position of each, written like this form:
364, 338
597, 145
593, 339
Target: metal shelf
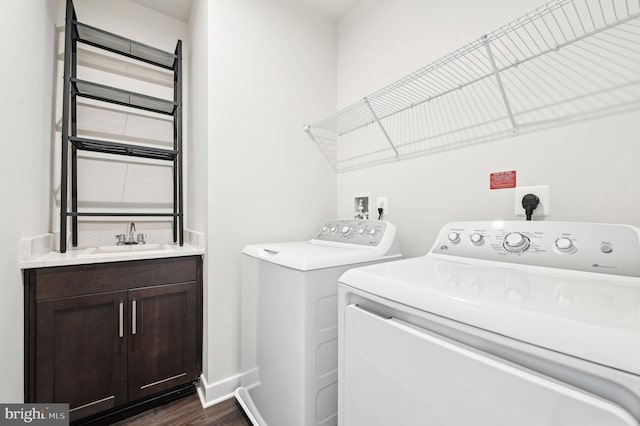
116, 148
566, 61
73, 88
113, 95
123, 46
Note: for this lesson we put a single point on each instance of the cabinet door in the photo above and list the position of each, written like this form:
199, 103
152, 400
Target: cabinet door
163, 338
81, 352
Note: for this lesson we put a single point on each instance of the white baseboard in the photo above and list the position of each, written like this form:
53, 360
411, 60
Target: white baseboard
213, 393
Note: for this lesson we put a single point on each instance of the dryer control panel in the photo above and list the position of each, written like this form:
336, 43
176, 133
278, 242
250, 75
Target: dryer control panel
357, 231
591, 247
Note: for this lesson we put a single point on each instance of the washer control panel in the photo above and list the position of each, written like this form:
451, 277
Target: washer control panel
592, 247
361, 232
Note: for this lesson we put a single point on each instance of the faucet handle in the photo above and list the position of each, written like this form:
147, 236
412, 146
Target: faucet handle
121, 239
141, 239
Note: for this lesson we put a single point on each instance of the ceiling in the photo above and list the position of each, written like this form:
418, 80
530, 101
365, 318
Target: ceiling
333, 9
180, 9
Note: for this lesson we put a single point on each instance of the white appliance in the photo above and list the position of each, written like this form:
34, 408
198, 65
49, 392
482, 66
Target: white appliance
289, 331
500, 324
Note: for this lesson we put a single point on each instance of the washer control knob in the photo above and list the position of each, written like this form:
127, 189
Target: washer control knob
476, 238
565, 245
333, 229
325, 229
346, 230
516, 242
606, 249
454, 237
373, 232
361, 232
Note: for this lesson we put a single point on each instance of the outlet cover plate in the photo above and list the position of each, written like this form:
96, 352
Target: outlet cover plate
543, 193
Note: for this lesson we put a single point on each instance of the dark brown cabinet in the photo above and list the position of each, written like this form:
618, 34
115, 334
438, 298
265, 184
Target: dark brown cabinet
103, 336
75, 335
163, 339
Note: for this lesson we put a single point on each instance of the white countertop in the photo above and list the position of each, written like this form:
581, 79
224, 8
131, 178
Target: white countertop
88, 255
37, 252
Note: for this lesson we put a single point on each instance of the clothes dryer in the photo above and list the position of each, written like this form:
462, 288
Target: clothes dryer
289, 336
501, 323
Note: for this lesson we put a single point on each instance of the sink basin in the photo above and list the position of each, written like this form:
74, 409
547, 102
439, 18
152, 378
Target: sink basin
126, 249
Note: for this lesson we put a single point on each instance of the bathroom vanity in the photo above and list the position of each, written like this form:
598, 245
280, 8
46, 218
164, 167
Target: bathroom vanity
112, 336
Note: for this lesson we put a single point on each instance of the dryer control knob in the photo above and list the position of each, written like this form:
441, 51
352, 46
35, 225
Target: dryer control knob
516, 242
476, 238
333, 229
454, 237
373, 232
325, 229
565, 244
346, 230
361, 231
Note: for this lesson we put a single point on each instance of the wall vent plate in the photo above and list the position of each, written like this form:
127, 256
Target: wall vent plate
361, 205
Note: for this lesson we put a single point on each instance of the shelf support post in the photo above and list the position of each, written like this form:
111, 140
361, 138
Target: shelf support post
178, 172
64, 169
74, 133
384, 132
503, 93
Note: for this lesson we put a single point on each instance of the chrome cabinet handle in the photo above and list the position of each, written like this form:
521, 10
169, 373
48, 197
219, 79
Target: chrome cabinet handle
120, 320
133, 318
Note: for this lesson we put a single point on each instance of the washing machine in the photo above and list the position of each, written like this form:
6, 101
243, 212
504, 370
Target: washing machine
289, 325
500, 324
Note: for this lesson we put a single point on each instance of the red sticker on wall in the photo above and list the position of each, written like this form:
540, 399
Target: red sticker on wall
502, 180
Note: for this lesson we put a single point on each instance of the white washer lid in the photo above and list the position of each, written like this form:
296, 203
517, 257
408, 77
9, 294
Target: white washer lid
310, 255
592, 316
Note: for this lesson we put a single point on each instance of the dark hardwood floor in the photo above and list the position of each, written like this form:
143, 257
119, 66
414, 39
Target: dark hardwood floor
188, 411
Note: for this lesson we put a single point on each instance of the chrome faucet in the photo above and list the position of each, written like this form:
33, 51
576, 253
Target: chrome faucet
122, 238
132, 229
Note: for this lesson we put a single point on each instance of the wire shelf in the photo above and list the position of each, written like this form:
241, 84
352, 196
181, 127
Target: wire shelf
566, 61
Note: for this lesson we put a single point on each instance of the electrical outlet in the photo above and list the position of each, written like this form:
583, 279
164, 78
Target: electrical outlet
541, 191
383, 202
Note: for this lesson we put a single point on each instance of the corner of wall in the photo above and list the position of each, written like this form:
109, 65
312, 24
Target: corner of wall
213, 393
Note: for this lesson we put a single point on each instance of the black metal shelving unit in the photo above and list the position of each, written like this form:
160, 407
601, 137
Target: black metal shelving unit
73, 88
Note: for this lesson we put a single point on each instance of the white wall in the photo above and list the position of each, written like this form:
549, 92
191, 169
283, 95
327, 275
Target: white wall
271, 69
197, 126
27, 131
196, 166
589, 166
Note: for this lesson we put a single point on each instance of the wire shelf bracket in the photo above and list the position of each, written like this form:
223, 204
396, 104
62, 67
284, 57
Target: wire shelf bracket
503, 93
384, 132
564, 62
